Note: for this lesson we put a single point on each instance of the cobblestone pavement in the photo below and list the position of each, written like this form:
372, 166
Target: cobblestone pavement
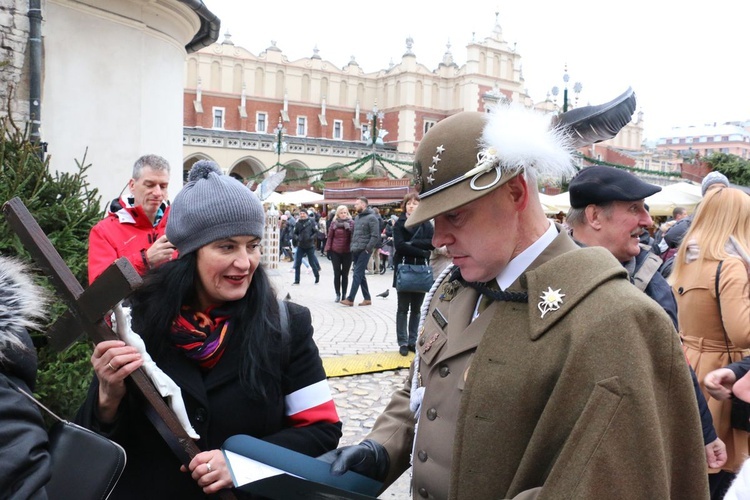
341, 330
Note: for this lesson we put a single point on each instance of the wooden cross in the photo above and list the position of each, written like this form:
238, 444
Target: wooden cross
87, 310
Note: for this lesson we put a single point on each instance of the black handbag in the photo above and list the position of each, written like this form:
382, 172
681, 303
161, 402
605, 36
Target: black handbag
740, 414
85, 465
414, 278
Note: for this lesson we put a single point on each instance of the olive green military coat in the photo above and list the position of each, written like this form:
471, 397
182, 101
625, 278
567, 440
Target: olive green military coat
592, 400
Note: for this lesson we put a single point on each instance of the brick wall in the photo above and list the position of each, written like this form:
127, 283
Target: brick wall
14, 33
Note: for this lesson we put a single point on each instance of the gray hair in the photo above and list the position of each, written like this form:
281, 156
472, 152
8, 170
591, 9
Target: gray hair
155, 162
577, 216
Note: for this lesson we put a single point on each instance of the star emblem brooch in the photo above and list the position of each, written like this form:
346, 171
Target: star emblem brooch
551, 300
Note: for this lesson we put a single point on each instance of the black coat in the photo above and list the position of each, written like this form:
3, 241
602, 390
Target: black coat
408, 249
25, 461
218, 408
305, 231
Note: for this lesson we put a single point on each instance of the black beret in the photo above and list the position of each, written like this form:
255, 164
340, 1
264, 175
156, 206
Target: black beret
598, 184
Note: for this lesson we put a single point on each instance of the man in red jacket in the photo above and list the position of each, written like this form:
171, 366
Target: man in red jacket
134, 226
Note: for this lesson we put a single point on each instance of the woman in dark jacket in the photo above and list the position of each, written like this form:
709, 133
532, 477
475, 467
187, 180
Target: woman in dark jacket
24, 460
413, 246
212, 323
338, 247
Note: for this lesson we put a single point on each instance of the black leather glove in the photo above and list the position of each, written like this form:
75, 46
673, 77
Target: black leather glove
368, 458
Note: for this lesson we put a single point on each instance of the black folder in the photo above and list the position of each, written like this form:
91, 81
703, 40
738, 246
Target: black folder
278, 473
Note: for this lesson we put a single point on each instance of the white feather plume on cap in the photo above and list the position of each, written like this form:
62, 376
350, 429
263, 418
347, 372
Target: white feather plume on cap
524, 141
469, 154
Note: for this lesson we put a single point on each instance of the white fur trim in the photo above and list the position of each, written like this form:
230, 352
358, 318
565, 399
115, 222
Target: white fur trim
22, 302
524, 140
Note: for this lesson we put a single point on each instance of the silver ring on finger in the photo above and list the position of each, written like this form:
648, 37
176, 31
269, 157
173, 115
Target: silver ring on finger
208, 467
111, 367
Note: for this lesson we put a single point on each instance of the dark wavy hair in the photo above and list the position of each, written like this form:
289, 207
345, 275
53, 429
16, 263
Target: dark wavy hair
407, 198
157, 302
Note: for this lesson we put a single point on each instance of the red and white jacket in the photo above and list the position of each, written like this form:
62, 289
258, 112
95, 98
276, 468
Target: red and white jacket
126, 232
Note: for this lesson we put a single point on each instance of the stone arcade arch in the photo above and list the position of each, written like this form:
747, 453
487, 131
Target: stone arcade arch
297, 170
247, 167
188, 163
336, 174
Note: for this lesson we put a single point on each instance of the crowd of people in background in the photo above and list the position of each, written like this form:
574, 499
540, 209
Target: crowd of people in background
380, 258
693, 270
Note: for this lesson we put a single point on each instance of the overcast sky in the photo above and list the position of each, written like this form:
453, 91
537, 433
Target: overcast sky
686, 61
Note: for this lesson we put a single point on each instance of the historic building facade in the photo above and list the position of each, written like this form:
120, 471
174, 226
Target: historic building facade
689, 142
104, 79
234, 102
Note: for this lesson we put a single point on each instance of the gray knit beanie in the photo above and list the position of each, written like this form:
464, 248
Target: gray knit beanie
713, 178
212, 206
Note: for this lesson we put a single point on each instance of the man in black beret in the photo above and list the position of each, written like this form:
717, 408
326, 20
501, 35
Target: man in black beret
608, 210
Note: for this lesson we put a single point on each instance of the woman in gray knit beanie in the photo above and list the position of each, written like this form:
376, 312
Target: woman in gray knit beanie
245, 361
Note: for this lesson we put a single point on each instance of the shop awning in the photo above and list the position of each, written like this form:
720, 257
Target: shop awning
372, 201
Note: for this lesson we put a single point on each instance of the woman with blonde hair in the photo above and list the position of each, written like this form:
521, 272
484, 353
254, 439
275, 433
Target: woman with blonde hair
710, 282
338, 246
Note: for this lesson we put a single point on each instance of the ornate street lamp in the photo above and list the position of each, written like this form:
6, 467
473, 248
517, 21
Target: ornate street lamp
375, 138
280, 144
577, 87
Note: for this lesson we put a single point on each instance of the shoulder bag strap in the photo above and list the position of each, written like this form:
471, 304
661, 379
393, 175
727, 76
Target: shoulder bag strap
36, 401
718, 302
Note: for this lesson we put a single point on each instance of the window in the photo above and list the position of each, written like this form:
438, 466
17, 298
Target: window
338, 129
261, 122
428, 124
218, 118
302, 126
365, 133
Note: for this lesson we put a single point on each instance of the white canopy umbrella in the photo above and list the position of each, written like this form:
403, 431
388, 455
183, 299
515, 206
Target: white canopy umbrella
549, 205
303, 196
681, 194
561, 202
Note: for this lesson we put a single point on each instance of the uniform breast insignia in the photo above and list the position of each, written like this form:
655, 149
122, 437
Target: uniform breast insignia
449, 290
432, 340
551, 300
439, 318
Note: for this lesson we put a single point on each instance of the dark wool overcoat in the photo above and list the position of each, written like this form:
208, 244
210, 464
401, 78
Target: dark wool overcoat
593, 400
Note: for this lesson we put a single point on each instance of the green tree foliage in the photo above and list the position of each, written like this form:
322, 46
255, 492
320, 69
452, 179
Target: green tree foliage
735, 168
66, 209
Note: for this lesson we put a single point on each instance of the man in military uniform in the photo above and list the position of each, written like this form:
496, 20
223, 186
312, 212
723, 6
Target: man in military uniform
571, 383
